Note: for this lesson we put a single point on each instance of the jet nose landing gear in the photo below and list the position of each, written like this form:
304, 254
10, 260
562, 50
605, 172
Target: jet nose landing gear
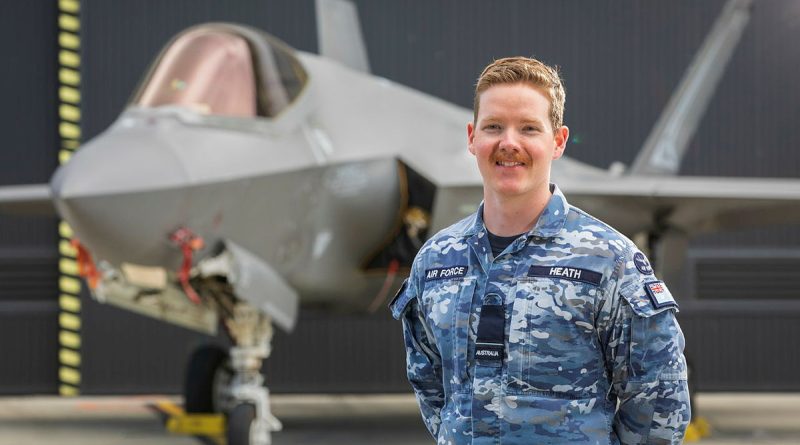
231, 384
250, 422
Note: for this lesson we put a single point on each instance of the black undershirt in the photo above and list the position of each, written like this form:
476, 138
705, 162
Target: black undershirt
499, 243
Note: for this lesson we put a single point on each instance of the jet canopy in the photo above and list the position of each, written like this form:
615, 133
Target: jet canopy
226, 70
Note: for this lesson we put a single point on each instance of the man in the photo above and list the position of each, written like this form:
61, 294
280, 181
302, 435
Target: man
531, 322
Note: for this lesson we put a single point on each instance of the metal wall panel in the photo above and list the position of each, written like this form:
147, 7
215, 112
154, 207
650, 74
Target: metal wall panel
28, 276
29, 360
620, 60
750, 351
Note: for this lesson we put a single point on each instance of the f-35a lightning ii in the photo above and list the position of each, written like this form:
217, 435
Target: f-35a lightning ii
246, 177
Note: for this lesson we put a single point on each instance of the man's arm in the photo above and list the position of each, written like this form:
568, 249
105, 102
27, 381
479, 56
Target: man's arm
424, 367
643, 346
650, 379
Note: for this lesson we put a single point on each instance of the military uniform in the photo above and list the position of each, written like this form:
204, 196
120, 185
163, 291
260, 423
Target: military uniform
565, 337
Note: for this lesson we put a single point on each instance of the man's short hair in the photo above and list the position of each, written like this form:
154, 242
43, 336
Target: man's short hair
524, 70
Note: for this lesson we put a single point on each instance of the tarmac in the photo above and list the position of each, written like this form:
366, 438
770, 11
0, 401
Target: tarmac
735, 418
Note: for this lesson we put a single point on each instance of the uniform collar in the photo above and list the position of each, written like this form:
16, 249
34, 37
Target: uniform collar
549, 224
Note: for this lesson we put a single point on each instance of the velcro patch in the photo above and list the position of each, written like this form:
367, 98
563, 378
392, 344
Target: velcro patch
489, 353
659, 294
567, 273
444, 273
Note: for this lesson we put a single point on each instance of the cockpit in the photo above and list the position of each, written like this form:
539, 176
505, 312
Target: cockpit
224, 70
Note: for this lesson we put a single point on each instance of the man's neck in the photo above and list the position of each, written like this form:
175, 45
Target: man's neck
507, 216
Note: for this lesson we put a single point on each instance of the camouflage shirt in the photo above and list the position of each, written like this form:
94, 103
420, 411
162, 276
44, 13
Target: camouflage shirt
579, 342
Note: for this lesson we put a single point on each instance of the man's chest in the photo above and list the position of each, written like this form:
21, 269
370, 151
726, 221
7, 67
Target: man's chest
547, 300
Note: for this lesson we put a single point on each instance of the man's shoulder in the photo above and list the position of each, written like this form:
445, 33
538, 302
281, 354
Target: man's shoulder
584, 228
448, 241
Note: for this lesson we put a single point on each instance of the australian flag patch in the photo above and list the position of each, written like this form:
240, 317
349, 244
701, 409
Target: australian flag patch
659, 294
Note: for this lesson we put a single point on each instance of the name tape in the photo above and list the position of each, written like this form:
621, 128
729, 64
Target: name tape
442, 273
567, 273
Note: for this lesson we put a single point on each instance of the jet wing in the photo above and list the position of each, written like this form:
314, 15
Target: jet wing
691, 204
633, 204
34, 199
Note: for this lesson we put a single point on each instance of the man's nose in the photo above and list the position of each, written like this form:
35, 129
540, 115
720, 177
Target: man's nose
509, 140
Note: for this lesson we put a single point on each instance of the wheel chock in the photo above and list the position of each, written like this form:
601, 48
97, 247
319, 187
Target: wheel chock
698, 428
191, 424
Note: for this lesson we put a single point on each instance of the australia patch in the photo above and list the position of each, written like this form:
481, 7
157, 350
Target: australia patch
641, 263
444, 273
659, 294
567, 273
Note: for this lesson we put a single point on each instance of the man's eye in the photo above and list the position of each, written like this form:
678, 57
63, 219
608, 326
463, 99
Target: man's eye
530, 129
491, 127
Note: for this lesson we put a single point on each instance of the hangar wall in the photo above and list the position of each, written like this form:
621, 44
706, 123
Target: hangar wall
620, 62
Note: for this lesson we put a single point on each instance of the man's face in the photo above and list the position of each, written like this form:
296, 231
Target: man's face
514, 141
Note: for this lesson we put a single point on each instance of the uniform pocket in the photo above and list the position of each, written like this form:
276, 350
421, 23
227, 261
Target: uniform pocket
447, 304
553, 345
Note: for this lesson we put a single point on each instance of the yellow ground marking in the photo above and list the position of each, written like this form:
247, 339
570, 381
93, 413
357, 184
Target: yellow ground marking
69, 95
69, 321
68, 390
69, 303
69, 375
69, 22
69, 339
69, 357
72, 6
69, 285
69, 40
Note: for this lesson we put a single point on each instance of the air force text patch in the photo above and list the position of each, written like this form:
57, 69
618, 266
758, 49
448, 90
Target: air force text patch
659, 294
567, 273
444, 273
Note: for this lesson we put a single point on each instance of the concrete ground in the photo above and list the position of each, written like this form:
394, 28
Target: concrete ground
353, 420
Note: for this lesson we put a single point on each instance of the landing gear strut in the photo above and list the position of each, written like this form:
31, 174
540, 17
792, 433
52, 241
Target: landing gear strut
250, 421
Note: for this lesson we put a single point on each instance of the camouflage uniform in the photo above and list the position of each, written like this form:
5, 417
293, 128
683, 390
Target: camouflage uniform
589, 347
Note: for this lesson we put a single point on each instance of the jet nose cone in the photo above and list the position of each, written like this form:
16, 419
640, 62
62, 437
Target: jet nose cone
123, 193
120, 161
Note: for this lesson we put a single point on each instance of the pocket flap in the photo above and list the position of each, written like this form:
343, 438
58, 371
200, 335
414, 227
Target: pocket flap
400, 300
649, 298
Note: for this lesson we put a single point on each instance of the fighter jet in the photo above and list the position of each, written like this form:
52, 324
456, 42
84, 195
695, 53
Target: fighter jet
246, 177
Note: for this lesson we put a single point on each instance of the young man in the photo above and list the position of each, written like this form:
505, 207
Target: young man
531, 322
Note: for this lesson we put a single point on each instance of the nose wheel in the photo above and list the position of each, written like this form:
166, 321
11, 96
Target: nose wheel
232, 384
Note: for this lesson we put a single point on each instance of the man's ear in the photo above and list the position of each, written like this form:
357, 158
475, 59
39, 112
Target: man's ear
561, 137
470, 137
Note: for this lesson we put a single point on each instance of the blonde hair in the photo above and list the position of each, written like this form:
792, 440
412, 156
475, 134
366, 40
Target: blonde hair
524, 70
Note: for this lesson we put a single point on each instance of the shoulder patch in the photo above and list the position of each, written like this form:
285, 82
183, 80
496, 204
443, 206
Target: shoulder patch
659, 294
641, 263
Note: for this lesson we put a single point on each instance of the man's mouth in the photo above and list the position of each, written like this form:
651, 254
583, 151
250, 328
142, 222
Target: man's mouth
509, 163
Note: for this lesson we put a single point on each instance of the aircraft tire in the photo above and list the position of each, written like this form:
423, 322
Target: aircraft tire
204, 366
240, 423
